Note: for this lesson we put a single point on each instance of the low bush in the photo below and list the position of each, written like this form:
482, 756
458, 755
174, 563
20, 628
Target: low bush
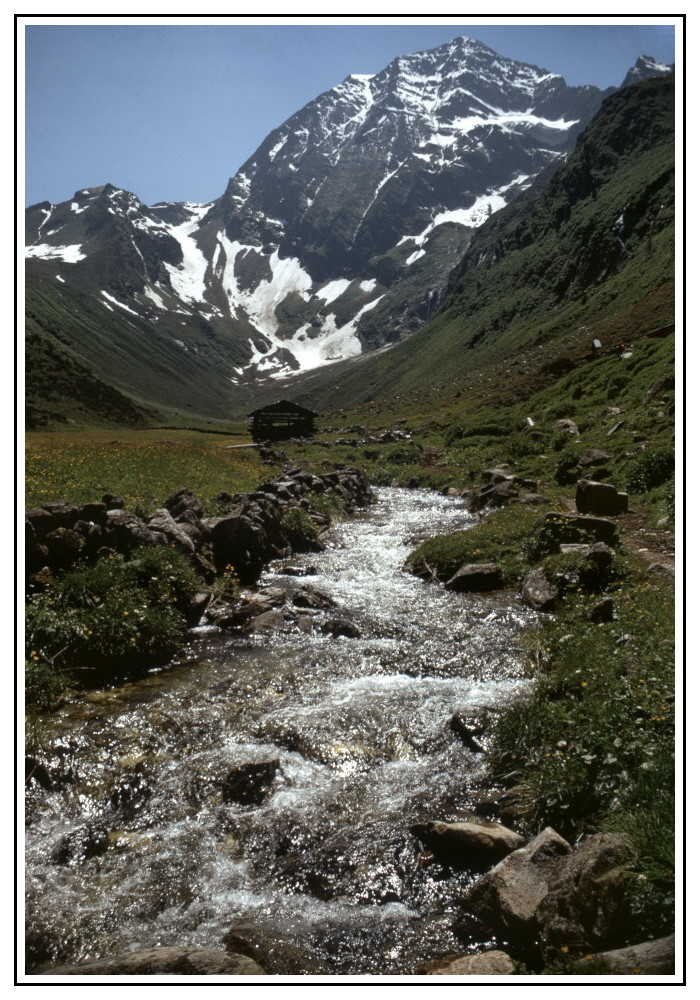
115, 615
650, 469
300, 529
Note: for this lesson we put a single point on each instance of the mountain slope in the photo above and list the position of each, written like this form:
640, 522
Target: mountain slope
592, 255
336, 236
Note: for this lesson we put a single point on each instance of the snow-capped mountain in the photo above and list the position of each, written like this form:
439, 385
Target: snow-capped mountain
645, 68
339, 232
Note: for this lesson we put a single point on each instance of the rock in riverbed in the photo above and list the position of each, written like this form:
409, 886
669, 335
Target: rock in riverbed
468, 844
165, 962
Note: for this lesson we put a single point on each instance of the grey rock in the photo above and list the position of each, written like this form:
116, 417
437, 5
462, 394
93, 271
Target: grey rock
341, 626
667, 382
592, 457
485, 963
507, 897
566, 425
467, 727
537, 592
599, 498
161, 520
64, 546
309, 597
660, 569
601, 612
165, 962
249, 784
476, 577
181, 501
127, 531
651, 958
467, 844
584, 907
268, 621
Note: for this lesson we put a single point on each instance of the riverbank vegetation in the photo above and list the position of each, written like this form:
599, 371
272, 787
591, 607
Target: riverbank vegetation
592, 748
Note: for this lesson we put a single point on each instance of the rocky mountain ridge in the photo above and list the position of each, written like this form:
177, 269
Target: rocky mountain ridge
336, 236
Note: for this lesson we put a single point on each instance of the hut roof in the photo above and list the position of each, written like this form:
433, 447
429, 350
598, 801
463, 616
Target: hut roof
283, 406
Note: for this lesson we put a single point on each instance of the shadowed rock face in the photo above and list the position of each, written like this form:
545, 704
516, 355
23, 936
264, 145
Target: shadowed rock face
165, 962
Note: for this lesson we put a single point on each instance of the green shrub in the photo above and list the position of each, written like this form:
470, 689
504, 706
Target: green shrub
300, 529
592, 747
565, 471
650, 469
43, 682
404, 454
113, 614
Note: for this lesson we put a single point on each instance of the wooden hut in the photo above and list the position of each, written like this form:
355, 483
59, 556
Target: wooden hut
282, 420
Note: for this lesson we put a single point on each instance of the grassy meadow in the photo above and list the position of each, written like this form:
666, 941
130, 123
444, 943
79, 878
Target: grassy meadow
143, 467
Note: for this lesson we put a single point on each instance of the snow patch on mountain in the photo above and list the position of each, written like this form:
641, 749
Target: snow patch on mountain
473, 217
333, 289
332, 343
155, 298
121, 305
70, 254
260, 302
506, 120
188, 278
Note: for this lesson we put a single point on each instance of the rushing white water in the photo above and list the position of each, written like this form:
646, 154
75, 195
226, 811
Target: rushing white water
137, 849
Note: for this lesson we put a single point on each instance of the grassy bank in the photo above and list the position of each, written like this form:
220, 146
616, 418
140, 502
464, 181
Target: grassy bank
592, 748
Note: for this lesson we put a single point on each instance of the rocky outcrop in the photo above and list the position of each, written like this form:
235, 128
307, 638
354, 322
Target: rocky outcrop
251, 534
164, 962
599, 499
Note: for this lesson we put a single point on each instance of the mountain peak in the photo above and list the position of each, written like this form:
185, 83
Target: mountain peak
647, 67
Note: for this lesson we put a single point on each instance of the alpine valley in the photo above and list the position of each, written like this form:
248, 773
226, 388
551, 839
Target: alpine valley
394, 693
336, 239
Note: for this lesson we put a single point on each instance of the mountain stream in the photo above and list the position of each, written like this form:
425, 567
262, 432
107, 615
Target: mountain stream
136, 848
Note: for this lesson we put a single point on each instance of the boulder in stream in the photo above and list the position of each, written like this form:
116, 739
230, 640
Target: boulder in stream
506, 898
476, 577
341, 626
485, 963
249, 784
584, 908
468, 844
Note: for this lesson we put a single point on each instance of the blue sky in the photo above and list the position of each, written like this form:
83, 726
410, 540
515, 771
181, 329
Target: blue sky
170, 112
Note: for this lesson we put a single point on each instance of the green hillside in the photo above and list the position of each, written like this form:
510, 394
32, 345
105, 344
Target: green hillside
143, 362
